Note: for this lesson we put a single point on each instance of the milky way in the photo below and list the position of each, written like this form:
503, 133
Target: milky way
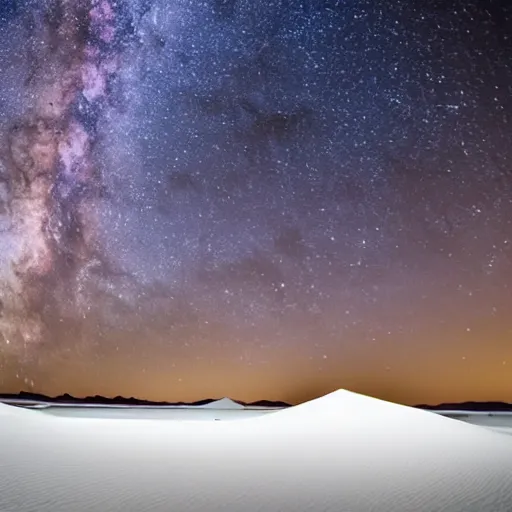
51, 174
317, 190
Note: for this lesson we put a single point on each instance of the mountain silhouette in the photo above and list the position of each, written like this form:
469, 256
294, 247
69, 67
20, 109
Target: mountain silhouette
469, 406
66, 398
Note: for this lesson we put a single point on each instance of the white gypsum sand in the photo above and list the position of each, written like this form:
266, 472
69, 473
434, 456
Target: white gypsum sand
223, 403
341, 453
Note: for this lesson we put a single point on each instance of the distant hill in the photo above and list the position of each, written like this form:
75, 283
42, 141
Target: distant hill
267, 403
224, 403
469, 406
24, 396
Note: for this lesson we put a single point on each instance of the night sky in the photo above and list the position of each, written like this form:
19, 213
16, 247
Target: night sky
259, 199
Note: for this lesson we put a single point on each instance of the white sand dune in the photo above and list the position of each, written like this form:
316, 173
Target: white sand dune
341, 453
223, 403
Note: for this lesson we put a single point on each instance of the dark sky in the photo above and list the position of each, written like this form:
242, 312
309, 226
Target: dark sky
260, 199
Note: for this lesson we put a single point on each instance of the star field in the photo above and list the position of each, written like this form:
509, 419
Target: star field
256, 199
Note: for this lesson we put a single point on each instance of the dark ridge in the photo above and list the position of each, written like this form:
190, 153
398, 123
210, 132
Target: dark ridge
205, 401
469, 406
24, 396
267, 403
